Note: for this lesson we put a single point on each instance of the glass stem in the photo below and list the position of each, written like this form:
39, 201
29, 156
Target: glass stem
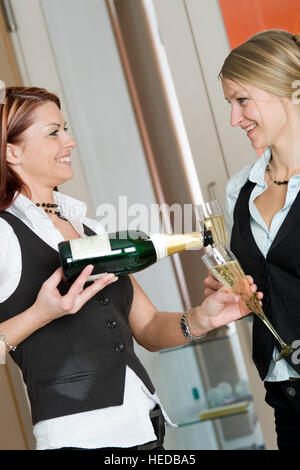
268, 324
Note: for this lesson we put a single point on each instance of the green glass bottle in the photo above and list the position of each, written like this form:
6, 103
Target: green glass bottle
123, 252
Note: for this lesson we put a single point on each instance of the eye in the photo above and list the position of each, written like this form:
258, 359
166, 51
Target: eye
54, 133
242, 100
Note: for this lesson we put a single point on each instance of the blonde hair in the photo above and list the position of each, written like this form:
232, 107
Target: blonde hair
269, 60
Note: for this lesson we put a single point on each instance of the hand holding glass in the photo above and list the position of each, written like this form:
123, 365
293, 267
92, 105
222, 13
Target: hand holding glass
224, 266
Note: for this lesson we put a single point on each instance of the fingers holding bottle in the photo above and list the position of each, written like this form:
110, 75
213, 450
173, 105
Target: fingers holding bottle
50, 304
78, 295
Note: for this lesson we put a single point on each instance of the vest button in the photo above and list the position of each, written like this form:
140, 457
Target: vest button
291, 391
119, 347
104, 300
111, 323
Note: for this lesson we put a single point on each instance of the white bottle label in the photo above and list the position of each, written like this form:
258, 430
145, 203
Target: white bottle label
159, 243
90, 247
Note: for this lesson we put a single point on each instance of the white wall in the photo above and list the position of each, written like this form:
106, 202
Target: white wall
103, 120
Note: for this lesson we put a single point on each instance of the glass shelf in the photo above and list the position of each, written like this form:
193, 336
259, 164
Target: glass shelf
220, 412
220, 334
206, 381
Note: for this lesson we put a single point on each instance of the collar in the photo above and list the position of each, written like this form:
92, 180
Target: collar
257, 172
70, 208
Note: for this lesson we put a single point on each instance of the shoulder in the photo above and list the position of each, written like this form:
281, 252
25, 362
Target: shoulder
6, 232
236, 182
9, 242
233, 187
10, 260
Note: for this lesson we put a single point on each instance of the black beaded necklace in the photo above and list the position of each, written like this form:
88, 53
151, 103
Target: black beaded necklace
268, 169
48, 207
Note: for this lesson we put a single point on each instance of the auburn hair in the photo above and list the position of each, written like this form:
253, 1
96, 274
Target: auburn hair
17, 106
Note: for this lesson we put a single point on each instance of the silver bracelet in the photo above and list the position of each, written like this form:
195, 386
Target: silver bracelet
3, 338
186, 330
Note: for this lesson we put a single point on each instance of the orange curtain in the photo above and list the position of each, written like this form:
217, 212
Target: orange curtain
243, 18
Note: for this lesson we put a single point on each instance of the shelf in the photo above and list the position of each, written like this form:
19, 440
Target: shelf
220, 412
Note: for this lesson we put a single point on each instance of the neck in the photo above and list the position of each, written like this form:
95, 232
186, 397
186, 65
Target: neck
286, 150
41, 195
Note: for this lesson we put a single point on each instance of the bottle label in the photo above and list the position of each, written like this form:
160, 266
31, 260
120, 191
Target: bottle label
90, 247
159, 243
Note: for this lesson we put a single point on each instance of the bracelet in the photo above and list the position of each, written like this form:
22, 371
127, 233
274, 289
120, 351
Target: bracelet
3, 338
185, 328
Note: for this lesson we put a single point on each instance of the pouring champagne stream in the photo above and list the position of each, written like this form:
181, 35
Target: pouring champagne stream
225, 267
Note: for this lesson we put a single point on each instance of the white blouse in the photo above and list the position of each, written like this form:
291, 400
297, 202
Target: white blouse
117, 426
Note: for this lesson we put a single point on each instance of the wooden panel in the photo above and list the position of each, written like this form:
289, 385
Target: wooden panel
15, 422
12, 436
243, 18
9, 72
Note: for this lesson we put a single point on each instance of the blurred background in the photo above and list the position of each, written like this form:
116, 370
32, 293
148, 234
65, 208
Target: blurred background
139, 88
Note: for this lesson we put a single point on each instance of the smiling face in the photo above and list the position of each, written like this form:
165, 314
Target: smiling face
42, 157
262, 115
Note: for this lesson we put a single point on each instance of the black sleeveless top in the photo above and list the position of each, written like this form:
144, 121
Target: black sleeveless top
277, 276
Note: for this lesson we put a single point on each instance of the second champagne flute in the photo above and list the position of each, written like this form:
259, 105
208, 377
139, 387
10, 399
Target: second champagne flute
225, 267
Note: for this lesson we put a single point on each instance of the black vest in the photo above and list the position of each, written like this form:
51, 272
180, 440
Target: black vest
75, 363
277, 276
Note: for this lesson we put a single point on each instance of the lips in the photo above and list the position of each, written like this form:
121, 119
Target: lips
250, 129
64, 158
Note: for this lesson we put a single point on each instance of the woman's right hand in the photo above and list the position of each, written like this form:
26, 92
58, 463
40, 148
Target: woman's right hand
50, 304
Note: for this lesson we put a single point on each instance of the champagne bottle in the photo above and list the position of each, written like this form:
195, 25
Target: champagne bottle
123, 252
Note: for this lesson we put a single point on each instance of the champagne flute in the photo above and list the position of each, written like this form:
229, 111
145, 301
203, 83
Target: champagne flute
225, 267
210, 217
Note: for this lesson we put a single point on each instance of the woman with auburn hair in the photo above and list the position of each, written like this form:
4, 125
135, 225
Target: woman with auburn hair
86, 386
260, 80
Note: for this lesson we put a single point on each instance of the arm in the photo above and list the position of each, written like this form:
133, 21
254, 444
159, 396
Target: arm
156, 330
50, 305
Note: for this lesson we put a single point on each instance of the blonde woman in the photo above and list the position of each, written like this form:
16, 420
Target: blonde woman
260, 80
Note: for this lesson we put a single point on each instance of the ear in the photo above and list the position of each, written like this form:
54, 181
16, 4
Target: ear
13, 154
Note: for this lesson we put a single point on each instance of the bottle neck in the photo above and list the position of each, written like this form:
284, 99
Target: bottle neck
186, 241
166, 245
